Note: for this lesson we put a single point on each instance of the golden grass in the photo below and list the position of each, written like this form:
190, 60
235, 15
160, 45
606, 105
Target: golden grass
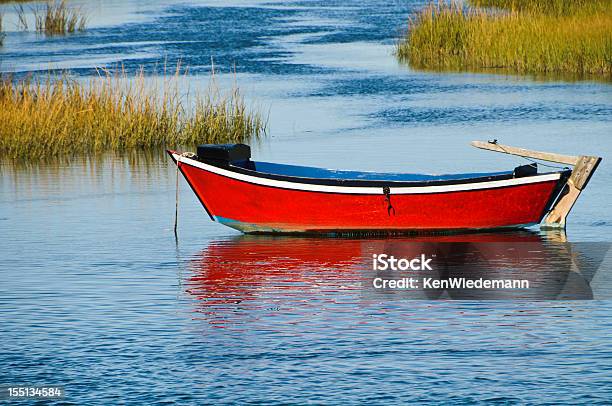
58, 116
57, 18
552, 7
22, 20
53, 18
444, 36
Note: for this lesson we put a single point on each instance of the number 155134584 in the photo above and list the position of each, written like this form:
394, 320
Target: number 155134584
23, 391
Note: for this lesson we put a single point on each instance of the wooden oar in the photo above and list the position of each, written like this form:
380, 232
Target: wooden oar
528, 153
583, 168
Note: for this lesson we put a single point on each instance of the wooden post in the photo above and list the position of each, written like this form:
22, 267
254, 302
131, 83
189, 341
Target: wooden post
581, 174
583, 168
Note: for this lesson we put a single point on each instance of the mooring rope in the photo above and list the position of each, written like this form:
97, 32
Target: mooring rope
537, 162
176, 197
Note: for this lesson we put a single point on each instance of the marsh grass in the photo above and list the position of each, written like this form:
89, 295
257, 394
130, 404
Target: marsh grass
53, 18
522, 39
56, 17
59, 116
551, 7
22, 20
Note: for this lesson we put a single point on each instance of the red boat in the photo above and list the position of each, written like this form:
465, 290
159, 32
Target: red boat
263, 197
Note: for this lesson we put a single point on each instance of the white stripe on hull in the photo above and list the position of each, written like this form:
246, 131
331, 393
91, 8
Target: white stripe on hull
367, 190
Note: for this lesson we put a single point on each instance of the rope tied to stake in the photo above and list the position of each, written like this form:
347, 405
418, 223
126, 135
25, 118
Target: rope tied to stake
176, 201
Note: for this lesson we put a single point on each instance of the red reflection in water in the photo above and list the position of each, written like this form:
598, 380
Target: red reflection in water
263, 272
240, 269
232, 271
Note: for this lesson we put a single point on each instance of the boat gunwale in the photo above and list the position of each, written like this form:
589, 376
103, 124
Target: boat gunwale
369, 187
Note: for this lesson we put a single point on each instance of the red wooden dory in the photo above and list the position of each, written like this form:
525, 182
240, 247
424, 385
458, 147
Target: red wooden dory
263, 197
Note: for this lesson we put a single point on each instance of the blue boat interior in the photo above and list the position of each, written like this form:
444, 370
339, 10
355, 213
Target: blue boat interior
239, 156
321, 173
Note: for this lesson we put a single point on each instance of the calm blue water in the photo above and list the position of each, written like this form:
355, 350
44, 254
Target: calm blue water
96, 295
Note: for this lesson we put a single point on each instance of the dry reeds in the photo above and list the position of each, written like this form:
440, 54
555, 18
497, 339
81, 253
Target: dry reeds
61, 116
57, 18
22, 20
551, 7
561, 37
53, 18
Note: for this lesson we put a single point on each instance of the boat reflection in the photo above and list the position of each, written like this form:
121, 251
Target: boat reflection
523, 266
273, 269
249, 266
